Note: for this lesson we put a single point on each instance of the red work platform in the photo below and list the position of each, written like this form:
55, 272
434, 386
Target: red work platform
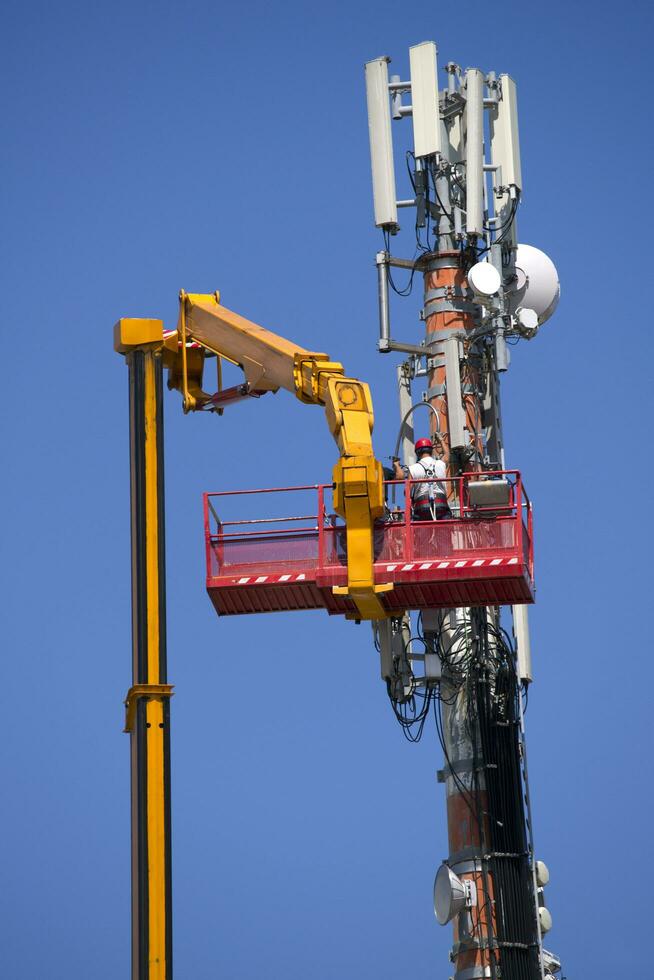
481, 556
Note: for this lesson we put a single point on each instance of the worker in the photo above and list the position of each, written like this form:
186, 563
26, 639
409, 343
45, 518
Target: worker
429, 500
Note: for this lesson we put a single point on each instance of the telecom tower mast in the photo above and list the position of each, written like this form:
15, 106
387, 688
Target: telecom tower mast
481, 289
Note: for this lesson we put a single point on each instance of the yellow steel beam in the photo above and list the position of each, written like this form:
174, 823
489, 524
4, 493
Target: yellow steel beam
148, 701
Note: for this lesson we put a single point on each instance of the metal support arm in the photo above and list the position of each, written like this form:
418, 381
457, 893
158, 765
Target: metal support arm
270, 362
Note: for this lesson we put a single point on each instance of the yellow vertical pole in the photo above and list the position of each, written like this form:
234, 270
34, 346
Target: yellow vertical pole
148, 700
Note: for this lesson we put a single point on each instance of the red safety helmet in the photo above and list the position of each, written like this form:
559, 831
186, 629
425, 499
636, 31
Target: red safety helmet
423, 444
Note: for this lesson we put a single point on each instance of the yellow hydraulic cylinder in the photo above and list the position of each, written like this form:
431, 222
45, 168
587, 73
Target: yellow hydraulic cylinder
148, 700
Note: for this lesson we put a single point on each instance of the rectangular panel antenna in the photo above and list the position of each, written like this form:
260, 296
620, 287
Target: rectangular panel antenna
453, 142
505, 141
456, 416
381, 144
424, 99
474, 152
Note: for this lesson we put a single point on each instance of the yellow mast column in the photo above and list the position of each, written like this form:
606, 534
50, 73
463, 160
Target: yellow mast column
148, 700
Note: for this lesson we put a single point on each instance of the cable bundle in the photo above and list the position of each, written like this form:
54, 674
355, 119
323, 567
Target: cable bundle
479, 673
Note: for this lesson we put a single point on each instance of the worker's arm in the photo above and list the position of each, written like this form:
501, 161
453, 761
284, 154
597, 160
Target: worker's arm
271, 362
399, 470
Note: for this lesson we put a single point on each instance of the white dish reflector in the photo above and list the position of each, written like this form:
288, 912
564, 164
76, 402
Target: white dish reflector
537, 287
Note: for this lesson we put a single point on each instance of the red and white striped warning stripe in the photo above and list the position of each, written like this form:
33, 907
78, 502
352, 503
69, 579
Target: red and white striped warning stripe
389, 567
451, 563
268, 579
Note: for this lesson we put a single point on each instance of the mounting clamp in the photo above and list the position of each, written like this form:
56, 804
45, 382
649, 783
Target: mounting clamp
138, 691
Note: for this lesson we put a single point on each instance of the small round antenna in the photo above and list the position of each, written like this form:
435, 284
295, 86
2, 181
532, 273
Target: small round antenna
450, 895
484, 279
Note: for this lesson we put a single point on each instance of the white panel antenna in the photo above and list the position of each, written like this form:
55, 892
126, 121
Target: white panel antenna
474, 152
381, 144
522, 642
454, 142
424, 99
505, 148
505, 142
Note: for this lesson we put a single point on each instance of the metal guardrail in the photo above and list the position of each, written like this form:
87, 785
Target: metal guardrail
324, 526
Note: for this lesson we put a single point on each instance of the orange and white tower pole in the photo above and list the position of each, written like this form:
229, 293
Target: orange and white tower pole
448, 314
465, 189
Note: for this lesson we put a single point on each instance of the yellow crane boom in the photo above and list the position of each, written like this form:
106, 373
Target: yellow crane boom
271, 362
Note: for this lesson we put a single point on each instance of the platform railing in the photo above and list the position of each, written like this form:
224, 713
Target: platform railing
223, 535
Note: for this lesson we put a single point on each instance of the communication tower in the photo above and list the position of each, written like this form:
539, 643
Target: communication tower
482, 292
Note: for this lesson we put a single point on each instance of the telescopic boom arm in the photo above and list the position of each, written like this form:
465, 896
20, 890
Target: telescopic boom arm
271, 362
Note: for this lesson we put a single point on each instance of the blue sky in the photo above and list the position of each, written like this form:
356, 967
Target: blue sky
149, 147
